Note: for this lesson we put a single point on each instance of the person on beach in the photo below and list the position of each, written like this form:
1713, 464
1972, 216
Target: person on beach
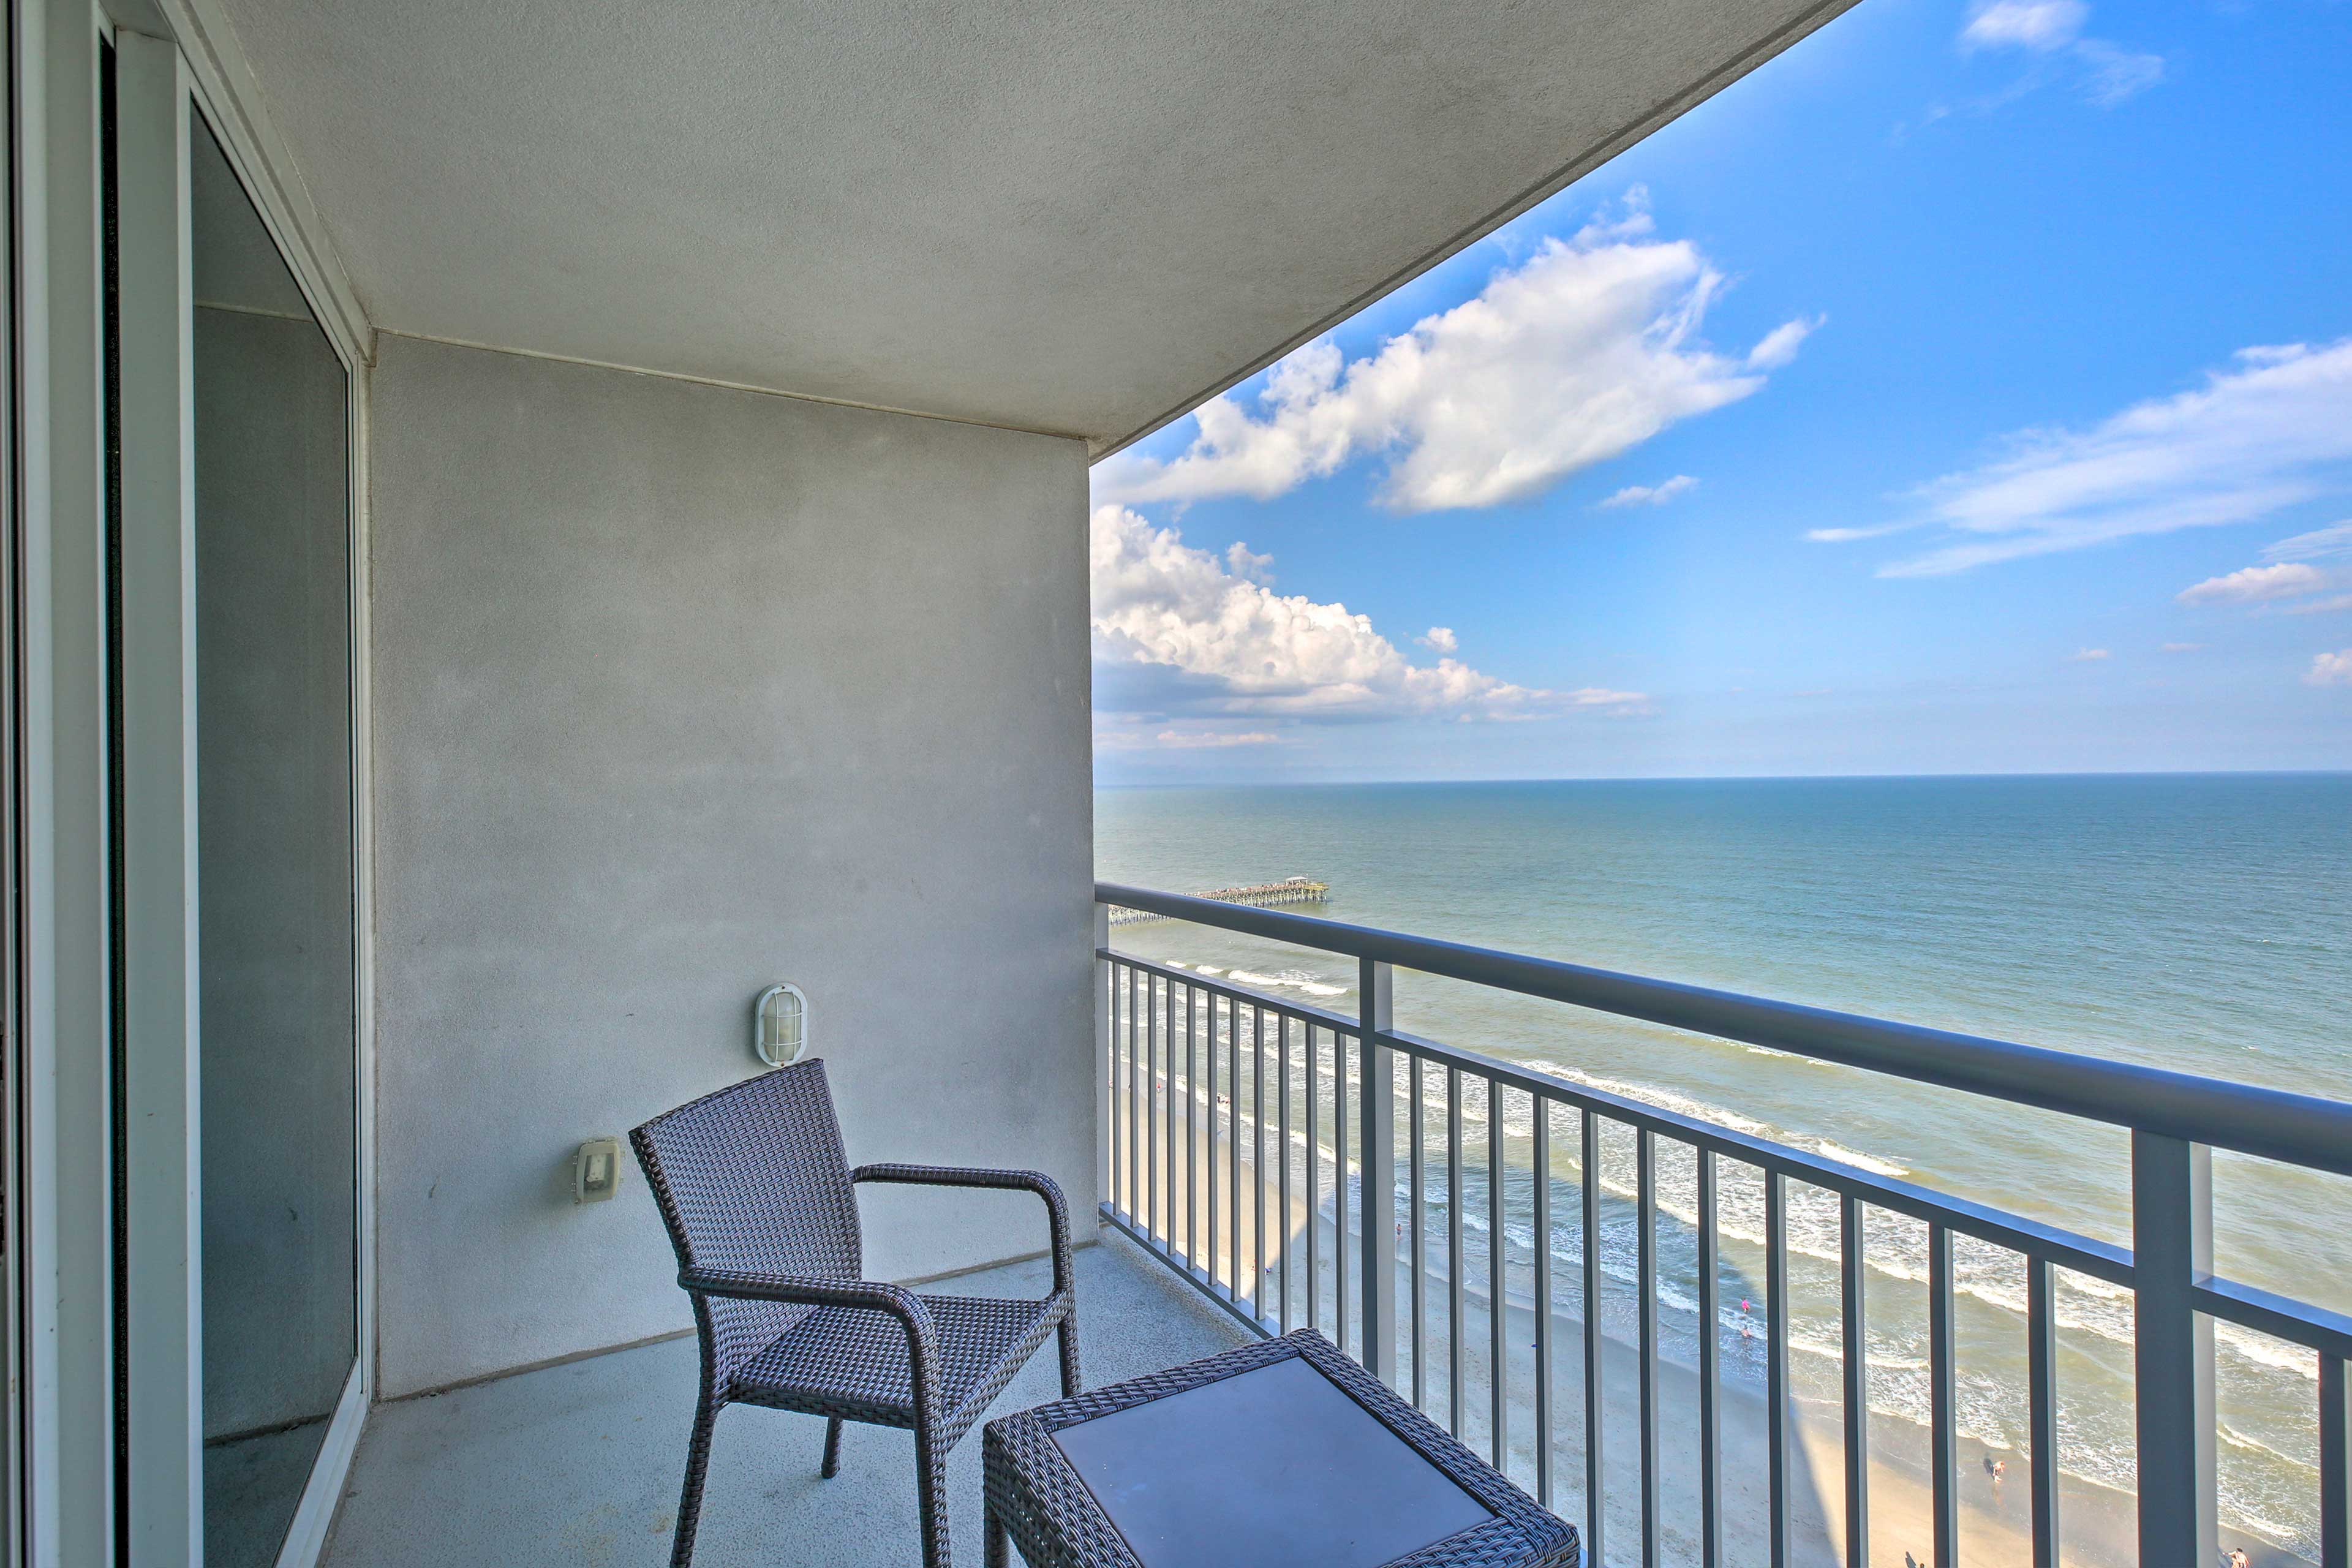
2238, 1557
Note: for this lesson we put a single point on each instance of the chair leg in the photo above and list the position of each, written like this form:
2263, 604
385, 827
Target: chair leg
689, 1501
832, 1467
931, 1497
1000, 1542
1068, 1336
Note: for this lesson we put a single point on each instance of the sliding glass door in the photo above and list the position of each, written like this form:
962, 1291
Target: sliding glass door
238, 1206
274, 870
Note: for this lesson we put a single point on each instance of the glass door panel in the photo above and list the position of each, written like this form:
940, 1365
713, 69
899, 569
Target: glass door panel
275, 871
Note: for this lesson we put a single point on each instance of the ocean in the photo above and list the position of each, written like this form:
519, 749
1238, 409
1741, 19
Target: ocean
2199, 922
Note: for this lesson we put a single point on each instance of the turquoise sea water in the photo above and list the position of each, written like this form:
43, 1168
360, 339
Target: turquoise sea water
2198, 923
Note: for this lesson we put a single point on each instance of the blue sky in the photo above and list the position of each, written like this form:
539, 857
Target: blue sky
1968, 389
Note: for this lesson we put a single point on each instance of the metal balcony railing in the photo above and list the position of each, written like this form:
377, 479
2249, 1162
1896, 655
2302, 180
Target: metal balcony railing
1199, 1076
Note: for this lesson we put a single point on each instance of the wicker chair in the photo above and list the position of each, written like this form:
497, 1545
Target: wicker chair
760, 1203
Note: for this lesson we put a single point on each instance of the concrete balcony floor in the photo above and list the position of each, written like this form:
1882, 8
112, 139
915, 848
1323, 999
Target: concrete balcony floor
580, 1463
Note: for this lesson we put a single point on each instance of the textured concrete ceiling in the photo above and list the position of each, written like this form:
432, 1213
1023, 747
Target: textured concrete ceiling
1072, 218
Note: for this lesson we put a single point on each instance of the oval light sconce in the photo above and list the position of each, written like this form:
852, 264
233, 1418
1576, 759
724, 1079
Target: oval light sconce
779, 1025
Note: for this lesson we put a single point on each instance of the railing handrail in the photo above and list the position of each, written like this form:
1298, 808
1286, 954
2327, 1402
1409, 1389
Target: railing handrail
2277, 1124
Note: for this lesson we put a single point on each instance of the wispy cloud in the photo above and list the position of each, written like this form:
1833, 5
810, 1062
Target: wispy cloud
1585, 350
1848, 535
2318, 606
2255, 585
2087, 656
1215, 739
2054, 30
2331, 670
2271, 430
2319, 544
2112, 75
1652, 495
1202, 639
2038, 25
2183, 647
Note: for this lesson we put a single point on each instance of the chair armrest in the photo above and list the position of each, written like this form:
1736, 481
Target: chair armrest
1058, 1210
867, 1295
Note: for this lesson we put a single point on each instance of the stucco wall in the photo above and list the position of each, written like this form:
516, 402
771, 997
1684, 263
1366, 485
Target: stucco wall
679, 692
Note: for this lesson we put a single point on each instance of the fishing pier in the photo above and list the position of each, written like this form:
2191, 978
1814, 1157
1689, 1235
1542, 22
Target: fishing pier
1258, 895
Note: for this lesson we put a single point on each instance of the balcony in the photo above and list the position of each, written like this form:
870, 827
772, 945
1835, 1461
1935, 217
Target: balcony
529, 527
1700, 1448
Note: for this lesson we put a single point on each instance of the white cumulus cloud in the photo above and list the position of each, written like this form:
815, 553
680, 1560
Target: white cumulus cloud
2331, 670
2254, 585
1652, 495
2271, 430
1588, 348
1441, 639
1222, 644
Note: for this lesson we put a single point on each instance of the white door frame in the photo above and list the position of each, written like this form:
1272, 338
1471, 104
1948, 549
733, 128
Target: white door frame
163, 1175
63, 1202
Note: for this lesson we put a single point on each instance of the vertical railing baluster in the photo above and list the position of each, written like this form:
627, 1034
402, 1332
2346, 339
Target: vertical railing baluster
2335, 1463
1106, 1048
1233, 1150
1179, 1196
2041, 1406
1417, 1173
1192, 1126
1376, 1145
1314, 1183
2172, 1347
1155, 1110
1776, 1361
1541, 1156
1710, 1372
1282, 1094
1340, 1189
1594, 1426
1134, 1106
1219, 1240
1257, 1162
1453, 1261
1107, 1019
1646, 1273
1943, 1406
1498, 1335
1856, 1349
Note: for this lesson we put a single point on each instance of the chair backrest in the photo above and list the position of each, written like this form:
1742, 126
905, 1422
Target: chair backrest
753, 1177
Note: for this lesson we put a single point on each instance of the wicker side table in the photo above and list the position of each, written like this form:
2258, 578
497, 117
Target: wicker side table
1280, 1455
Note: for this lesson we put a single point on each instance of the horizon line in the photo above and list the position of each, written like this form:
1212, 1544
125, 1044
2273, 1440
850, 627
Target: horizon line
1735, 778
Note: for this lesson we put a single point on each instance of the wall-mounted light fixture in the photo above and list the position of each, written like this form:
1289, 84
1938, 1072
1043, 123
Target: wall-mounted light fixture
779, 1025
